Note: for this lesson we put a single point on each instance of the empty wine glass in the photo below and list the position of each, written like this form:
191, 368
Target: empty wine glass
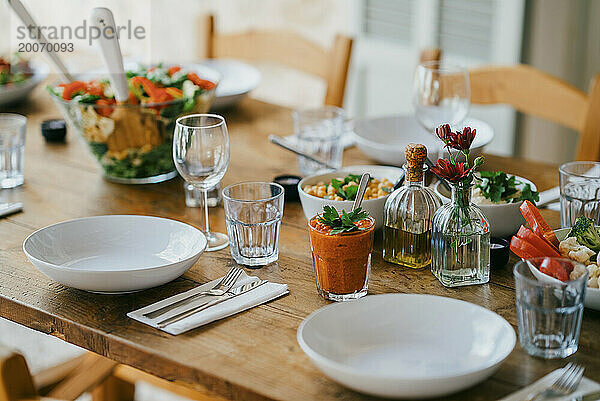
201, 155
441, 94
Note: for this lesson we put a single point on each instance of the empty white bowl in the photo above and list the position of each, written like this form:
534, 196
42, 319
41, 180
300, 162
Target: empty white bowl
384, 138
406, 345
505, 218
313, 205
116, 253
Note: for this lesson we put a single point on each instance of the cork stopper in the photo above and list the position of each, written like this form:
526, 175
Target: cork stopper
416, 154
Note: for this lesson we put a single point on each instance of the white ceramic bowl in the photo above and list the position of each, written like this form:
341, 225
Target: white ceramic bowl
592, 295
19, 92
384, 138
313, 205
505, 219
238, 79
406, 345
116, 253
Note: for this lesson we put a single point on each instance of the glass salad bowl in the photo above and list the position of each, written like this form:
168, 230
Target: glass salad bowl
132, 141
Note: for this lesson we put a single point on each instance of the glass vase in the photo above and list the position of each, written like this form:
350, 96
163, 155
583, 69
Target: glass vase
460, 241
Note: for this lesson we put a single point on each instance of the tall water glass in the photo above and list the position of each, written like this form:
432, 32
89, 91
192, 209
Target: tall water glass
253, 212
549, 314
319, 133
579, 192
201, 155
441, 94
12, 149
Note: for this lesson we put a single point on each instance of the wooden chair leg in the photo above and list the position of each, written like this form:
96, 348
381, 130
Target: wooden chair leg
114, 389
92, 371
15, 380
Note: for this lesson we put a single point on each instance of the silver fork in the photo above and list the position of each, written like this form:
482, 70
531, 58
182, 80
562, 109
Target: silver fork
563, 385
219, 289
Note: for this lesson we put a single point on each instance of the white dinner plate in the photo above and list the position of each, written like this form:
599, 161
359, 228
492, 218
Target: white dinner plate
19, 92
237, 80
115, 253
406, 345
592, 295
384, 138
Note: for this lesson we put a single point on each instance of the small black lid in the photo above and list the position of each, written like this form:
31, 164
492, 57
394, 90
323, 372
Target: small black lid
290, 185
54, 130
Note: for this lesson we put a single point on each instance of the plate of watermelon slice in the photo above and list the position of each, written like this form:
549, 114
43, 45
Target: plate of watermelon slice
540, 241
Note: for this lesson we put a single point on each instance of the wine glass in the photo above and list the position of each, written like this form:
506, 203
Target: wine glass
441, 94
201, 155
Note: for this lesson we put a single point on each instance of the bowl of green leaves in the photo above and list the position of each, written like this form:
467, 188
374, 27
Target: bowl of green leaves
499, 196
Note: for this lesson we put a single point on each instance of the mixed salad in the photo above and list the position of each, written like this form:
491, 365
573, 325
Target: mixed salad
14, 70
497, 187
581, 245
133, 140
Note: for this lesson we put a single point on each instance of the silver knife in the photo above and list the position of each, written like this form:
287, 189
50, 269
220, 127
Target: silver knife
228, 295
593, 396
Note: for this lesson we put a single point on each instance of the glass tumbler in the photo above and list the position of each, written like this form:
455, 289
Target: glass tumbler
12, 149
253, 212
579, 192
319, 134
549, 314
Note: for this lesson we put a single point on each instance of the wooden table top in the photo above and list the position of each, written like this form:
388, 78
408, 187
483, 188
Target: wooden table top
253, 355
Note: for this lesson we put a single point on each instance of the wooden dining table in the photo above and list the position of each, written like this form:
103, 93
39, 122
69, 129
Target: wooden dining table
253, 355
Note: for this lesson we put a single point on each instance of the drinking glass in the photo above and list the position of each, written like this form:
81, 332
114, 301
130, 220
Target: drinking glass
253, 212
549, 314
201, 155
12, 149
441, 94
319, 133
579, 192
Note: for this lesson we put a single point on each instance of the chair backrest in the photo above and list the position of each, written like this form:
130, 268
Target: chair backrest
288, 49
534, 92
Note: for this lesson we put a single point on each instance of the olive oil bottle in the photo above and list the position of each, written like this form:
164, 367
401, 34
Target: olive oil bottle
408, 214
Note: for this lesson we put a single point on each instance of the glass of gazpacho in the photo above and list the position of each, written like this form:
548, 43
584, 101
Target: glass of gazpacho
341, 248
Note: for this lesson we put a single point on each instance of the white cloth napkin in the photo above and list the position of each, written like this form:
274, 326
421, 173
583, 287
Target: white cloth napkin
586, 386
242, 302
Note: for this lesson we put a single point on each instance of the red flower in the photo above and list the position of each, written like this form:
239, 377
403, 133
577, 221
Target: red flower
451, 172
444, 133
462, 140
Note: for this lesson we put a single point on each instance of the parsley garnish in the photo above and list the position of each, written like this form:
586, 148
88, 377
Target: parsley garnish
342, 223
498, 186
350, 192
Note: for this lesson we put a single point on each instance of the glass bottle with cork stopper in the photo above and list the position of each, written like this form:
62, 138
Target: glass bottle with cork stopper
408, 213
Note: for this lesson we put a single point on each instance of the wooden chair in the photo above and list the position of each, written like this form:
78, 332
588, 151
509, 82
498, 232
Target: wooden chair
67, 381
288, 49
534, 92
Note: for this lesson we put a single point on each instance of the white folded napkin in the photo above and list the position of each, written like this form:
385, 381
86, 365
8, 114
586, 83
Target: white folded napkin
586, 386
242, 302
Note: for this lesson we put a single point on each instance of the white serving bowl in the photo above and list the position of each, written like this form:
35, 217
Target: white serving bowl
384, 138
592, 295
20, 91
313, 205
116, 253
237, 80
406, 345
505, 219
